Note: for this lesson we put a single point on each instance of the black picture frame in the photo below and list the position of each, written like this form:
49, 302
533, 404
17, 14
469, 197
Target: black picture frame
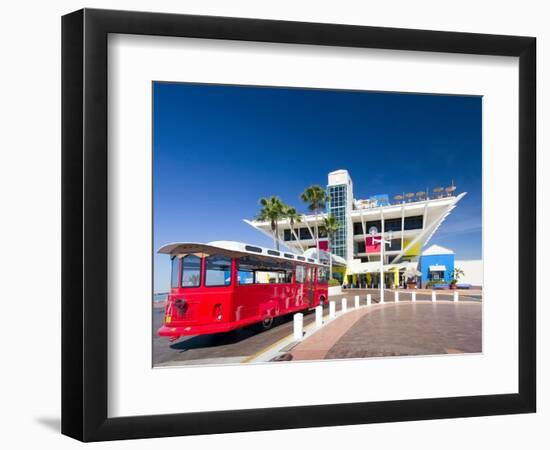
84, 224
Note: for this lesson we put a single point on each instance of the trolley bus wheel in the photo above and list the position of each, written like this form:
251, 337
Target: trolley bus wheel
322, 301
267, 323
264, 325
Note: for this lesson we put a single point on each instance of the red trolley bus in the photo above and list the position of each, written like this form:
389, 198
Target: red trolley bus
225, 285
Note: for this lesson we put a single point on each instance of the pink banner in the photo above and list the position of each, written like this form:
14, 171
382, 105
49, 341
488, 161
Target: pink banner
370, 246
323, 245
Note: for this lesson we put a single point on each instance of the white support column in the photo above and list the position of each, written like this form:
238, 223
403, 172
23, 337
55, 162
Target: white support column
356, 301
309, 229
297, 239
455, 296
413, 296
425, 215
319, 316
369, 299
396, 296
332, 309
434, 297
402, 222
344, 305
363, 226
298, 326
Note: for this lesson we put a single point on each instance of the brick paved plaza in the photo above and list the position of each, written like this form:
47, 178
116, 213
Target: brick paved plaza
398, 329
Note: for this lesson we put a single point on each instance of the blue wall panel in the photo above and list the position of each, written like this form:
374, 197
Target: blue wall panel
435, 260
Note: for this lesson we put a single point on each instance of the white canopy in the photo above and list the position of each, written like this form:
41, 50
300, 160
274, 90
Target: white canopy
336, 260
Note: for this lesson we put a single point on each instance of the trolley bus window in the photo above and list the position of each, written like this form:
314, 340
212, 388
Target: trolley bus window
218, 271
265, 277
191, 276
287, 276
245, 271
322, 275
256, 271
300, 274
245, 277
175, 272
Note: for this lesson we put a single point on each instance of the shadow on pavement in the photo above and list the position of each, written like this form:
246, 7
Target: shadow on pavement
230, 337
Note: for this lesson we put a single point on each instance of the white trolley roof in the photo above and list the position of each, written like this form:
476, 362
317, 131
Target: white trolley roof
233, 249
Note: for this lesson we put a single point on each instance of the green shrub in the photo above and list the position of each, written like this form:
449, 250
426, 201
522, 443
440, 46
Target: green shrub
333, 282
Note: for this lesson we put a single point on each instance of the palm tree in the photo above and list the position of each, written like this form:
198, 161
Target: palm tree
293, 216
316, 199
272, 211
331, 226
457, 274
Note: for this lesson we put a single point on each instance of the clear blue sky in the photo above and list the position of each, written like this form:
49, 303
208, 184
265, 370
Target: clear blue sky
219, 149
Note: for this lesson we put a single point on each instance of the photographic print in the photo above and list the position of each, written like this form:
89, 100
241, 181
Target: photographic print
298, 224
338, 206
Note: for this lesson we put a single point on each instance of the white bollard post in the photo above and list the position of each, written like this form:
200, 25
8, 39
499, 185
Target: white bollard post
396, 296
455, 296
298, 326
433, 296
413, 298
344, 305
332, 309
356, 301
319, 316
369, 299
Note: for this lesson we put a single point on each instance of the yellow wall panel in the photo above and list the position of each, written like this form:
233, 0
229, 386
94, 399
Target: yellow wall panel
414, 250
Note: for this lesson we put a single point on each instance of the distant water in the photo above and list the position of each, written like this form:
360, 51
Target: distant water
160, 297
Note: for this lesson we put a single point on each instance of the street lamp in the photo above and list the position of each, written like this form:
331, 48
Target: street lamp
373, 231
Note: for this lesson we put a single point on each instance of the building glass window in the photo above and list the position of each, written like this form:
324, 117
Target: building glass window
360, 247
358, 228
394, 245
305, 234
373, 223
392, 225
337, 208
414, 222
437, 276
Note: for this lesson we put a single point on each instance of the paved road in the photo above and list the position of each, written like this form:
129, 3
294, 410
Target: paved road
220, 348
237, 345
